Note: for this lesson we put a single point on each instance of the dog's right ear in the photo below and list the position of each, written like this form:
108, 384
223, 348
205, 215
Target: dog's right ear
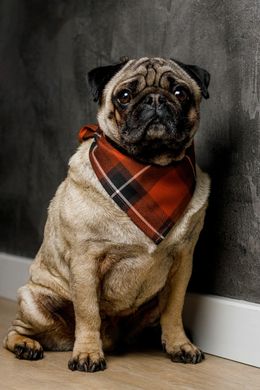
99, 77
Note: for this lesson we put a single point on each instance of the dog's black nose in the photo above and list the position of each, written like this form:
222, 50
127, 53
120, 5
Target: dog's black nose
154, 100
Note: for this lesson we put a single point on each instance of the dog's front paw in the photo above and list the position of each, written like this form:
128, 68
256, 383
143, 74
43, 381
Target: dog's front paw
184, 353
89, 362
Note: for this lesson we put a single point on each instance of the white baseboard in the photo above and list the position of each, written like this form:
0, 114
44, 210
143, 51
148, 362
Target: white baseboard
14, 272
224, 327
221, 326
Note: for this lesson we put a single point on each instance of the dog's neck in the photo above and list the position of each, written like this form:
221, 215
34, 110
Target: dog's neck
154, 197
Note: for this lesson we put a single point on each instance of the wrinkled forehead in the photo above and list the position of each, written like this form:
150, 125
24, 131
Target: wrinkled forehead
150, 72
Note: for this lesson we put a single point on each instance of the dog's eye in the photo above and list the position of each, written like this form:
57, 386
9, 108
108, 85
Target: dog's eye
124, 96
181, 93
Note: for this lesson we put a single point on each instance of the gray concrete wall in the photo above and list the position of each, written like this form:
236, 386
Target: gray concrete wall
46, 49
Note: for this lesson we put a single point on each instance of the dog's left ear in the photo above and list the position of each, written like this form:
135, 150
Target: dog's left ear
99, 77
200, 75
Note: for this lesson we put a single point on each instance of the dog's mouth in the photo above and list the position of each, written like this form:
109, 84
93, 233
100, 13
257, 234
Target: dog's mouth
154, 140
163, 133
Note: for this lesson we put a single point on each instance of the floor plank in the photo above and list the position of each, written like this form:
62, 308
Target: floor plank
135, 370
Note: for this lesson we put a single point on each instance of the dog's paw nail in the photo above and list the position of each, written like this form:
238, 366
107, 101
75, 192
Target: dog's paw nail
72, 364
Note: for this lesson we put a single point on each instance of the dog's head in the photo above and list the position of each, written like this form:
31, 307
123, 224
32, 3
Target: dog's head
150, 106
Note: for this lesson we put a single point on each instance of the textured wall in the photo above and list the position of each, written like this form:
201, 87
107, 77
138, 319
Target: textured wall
46, 49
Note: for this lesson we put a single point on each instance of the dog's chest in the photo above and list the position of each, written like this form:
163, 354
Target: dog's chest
133, 281
136, 277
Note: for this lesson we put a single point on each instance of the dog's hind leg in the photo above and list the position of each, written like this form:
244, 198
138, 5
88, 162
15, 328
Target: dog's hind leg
22, 346
43, 321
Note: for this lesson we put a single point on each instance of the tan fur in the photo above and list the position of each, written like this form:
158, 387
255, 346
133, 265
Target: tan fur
93, 256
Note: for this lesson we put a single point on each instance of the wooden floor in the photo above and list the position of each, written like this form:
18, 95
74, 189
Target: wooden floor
135, 370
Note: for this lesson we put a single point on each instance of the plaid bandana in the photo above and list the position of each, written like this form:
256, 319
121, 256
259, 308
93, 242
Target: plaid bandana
154, 197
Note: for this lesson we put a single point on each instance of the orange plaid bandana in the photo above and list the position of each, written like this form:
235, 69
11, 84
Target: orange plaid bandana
154, 197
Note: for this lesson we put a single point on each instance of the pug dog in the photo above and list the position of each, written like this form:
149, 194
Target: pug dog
106, 270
